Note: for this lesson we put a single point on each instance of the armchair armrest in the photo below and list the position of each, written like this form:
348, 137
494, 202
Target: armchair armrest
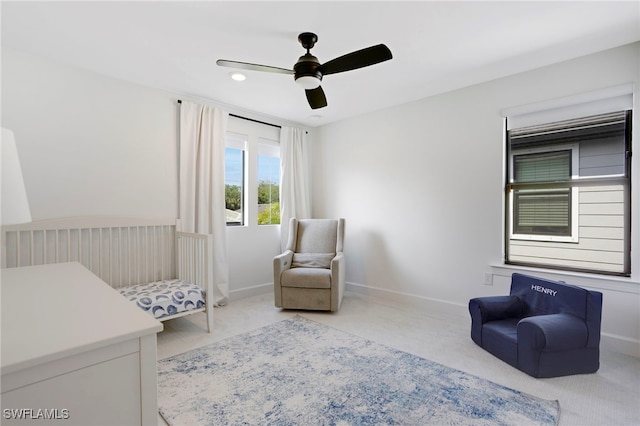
337, 268
484, 309
281, 263
553, 332
337, 276
337, 261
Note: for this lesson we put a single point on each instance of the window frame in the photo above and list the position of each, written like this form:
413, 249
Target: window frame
267, 148
540, 186
623, 180
238, 141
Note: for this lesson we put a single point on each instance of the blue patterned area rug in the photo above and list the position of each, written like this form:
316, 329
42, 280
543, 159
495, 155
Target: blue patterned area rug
300, 372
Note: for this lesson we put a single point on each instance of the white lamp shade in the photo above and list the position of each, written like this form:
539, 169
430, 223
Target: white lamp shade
308, 82
15, 206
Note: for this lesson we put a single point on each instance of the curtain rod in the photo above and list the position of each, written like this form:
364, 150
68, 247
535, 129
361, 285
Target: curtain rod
247, 118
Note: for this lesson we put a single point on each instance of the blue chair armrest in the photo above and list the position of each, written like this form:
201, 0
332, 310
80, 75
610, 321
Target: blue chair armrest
553, 332
485, 309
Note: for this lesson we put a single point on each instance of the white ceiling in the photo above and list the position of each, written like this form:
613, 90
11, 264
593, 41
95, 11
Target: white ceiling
437, 46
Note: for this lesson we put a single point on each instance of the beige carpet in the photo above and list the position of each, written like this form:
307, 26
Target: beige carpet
608, 397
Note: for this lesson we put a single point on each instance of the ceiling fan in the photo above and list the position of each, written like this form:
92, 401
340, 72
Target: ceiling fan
308, 71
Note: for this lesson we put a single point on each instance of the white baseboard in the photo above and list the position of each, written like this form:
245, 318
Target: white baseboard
434, 305
610, 342
250, 291
620, 344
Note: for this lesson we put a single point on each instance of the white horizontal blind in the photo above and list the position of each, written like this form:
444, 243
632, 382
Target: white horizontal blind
548, 211
268, 148
543, 209
542, 167
236, 140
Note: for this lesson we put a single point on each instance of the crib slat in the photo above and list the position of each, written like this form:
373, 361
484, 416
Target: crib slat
32, 249
130, 257
146, 260
161, 252
18, 249
110, 253
79, 232
100, 253
68, 242
90, 239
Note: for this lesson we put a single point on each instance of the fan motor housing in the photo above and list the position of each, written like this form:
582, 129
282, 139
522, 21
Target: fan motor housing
307, 66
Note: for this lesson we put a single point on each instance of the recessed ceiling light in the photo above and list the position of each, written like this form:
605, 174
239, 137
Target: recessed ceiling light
238, 76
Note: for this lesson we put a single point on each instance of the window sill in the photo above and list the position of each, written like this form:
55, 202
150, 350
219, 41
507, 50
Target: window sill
595, 281
544, 238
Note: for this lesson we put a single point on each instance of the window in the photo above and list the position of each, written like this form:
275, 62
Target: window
268, 182
252, 173
567, 194
544, 214
234, 178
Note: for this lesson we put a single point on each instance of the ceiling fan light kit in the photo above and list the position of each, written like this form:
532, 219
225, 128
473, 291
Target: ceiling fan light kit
308, 71
308, 82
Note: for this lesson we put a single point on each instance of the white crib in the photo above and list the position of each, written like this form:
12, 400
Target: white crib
123, 252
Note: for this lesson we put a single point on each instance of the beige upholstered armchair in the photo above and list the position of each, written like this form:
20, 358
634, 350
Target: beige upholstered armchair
310, 274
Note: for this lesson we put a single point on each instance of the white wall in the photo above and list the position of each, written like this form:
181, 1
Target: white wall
420, 186
93, 145
90, 145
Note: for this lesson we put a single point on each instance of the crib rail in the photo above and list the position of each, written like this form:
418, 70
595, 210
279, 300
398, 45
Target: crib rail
121, 252
193, 265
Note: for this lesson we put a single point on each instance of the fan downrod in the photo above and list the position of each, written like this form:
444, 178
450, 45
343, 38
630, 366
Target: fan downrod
308, 40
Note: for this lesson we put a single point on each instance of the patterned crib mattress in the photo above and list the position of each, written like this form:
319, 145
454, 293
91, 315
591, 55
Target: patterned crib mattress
164, 298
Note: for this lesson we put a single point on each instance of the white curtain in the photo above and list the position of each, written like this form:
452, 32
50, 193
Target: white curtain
295, 178
202, 199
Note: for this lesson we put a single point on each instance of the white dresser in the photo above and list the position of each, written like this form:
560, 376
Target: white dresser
74, 351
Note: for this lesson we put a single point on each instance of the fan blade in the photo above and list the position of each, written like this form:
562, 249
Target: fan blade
316, 98
252, 67
358, 59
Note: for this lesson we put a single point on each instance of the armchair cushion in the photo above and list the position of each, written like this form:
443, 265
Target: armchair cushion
312, 260
500, 338
306, 278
